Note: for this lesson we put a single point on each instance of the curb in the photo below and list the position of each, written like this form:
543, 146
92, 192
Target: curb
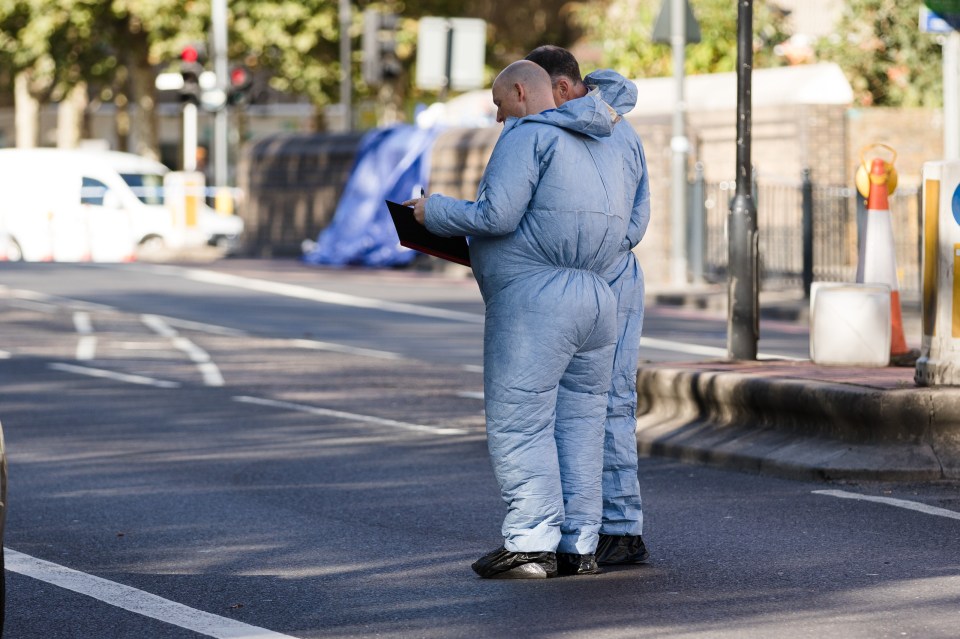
796, 428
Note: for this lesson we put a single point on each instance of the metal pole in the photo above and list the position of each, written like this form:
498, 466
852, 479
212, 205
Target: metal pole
680, 147
218, 19
346, 87
743, 319
806, 204
189, 137
448, 65
951, 96
698, 224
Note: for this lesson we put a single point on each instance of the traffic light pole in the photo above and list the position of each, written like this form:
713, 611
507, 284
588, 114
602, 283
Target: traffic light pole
221, 121
346, 85
189, 136
743, 324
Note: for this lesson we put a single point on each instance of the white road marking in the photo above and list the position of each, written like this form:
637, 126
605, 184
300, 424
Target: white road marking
343, 348
134, 600
326, 412
87, 344
316, 295
471, 394
5, 355
472, 368
117, 377
208, 370
890, 501
697, 349
81, 321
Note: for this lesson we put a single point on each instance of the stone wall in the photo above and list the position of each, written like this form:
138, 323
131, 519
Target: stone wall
293, 182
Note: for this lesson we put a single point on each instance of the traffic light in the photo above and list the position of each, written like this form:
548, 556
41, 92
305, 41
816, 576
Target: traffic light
380, 60
241, 80
192, 58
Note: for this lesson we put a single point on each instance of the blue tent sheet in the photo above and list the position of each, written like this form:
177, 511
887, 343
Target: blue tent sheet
392, 164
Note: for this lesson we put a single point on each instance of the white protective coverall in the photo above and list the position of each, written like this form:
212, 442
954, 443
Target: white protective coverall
622, 509
543, 231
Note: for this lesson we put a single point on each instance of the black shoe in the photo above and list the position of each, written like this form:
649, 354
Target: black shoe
615, 550
503, 564
569, 563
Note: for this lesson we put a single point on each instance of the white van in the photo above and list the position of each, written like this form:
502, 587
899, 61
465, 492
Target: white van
76, 205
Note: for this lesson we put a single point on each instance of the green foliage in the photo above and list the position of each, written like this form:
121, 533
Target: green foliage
622, 31
888, 61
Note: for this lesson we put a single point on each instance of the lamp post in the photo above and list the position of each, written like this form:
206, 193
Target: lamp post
743, 325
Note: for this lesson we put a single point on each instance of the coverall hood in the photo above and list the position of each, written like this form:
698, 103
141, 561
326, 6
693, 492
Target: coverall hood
615, 90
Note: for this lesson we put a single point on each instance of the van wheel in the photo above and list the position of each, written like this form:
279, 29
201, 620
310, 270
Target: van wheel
152, 247
13, 252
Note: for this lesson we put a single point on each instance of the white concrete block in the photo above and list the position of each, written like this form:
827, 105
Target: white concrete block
850, 324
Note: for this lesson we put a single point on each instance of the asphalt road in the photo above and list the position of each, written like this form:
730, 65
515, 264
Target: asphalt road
263, 449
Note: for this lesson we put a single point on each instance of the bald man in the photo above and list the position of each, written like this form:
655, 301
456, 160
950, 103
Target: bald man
542, 233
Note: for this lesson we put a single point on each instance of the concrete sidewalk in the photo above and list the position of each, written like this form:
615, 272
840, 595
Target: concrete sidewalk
796, 419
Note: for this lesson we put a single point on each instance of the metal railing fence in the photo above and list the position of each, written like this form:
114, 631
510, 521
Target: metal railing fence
834, 217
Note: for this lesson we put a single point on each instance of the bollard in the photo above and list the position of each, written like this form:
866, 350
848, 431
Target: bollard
939, 362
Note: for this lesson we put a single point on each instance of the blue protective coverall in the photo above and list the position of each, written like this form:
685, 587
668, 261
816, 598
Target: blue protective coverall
622, 510
543, 230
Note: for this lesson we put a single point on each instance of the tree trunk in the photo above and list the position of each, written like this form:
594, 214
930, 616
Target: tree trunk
143, 98
70, 117
27, 112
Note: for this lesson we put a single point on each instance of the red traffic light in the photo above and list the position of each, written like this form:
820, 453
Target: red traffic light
190, 54
239, 77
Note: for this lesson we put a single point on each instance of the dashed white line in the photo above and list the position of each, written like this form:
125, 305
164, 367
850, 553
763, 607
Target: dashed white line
891, 501
134, 600
5, 355
208, 370
471, 394
369, 419
113, 375
87, 344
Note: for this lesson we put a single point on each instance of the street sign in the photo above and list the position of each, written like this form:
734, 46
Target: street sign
949, 10
662, 29
451, 53
930, 22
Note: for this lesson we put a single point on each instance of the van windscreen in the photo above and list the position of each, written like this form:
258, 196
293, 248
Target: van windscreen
148, 187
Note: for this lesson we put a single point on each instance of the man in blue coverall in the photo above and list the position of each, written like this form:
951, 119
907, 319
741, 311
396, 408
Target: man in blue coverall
620, 533
543, 234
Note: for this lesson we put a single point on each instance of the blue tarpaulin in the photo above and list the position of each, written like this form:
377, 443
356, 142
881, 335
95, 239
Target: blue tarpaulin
392, 164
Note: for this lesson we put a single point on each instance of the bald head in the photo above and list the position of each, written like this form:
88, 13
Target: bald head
523, 88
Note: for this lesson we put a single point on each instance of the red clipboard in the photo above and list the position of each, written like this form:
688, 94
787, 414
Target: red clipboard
414, 235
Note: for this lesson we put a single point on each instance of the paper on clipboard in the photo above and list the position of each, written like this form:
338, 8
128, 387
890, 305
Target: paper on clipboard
415, 236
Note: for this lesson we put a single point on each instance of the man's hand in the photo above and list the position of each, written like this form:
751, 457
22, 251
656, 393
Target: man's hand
419, 210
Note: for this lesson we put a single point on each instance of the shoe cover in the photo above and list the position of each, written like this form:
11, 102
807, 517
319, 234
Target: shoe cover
503, 564
574, 564
625, 549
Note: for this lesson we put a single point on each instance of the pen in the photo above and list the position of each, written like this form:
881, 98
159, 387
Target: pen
422, 193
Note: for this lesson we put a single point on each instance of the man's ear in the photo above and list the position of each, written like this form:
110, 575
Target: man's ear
521, 91
564, 89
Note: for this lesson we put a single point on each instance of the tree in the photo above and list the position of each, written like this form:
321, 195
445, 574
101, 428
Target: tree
888, 61
620, 32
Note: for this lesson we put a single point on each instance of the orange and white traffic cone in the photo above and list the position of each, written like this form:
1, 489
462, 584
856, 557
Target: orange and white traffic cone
878, 257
